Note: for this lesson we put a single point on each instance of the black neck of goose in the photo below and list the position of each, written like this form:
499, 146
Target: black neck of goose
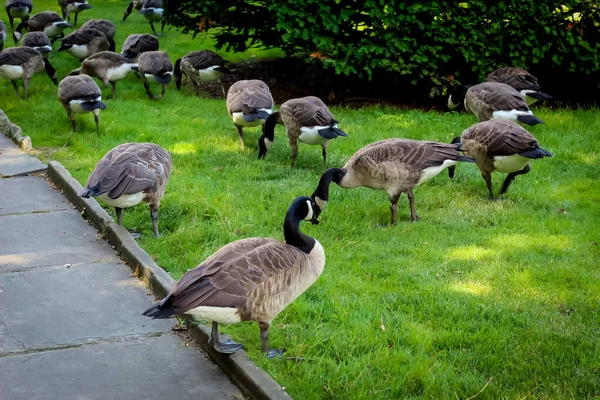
177, 73
292, 234
270, 123
321, 193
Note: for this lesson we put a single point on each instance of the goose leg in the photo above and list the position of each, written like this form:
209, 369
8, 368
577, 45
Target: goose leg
222, 87
394, 207
223, 346
11, 20
154, 217
152, 26
72, 118
25, 84
162, 26
75, 21
128, 11
294, 146
487, 177
55, 38
14, 83
324, 152
119, 212
97, 120
164, 89
114, 90
241, 133
148, 92
511, 176
264, 341
413, 213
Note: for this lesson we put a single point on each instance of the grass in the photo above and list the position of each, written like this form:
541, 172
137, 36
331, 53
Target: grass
504, 292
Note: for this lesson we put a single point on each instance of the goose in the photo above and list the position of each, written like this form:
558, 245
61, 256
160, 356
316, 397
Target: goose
306, 119
73, 6
107, 66
137, 4
490, 100
156, 66
249, 103
18, 9
249, 280
105, 26
84, 42
201, 66
22, 63
153, 11
129, 174
79, 95
500, 145
394, 165
522, 81
38, 41
46, 21
2, 35
137, 44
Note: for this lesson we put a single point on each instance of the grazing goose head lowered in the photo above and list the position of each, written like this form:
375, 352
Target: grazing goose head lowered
73, 6
249, 280
199, 67
22, 63
79, 95
17, 9
46, 21
38, 41
107, 66
153, 11
155, 66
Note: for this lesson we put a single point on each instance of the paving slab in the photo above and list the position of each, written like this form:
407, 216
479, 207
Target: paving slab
29, 194
14, 162
54, 238
45, 308
155, 368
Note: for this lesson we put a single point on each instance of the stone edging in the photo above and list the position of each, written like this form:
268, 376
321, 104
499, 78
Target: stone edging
15, 133
252, 380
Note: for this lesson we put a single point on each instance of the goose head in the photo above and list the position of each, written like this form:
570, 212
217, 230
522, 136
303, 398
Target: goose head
457, 96
303, 208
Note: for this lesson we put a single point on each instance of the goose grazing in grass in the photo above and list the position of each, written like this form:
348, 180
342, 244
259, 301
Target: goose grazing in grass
84, 42
394, 165
520, 80
2, 35
107, 66
249, 280
105, 26
200, 67
129, 174
46, 21
249, 103
492, 100
137, 4
18, 9
137, 44
500, 145
153, 11
79, 95
307, 120
73, 6
38, 41
155, 66
22, 63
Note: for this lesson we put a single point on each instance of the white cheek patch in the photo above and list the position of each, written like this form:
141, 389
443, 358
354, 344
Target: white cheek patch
310, 214
268, 143
320, 202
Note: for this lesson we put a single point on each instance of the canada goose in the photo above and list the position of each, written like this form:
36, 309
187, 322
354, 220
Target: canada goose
153, 11
38, 41
306, 119
155, 65
137, 44
490, 100
137, 4
79, 95
394, 165
249, 103
500, 145
73, 6
105, 26
46, 21
18, 9
84, 42
249, 280
522, 81
22, 63
201, 66
2, 35
107, 66
129, 174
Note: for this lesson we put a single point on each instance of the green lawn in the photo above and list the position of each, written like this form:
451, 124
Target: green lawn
478, 291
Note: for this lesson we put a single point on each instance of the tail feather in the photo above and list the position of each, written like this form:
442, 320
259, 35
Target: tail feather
223, 70
529, 119
539, 96
165, 78
536, 153
263, 114
91, 106
465, 159
251, 117
156, 312
331, 133
90, 192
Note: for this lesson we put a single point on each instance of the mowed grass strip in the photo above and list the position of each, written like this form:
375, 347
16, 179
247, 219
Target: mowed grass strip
501, 292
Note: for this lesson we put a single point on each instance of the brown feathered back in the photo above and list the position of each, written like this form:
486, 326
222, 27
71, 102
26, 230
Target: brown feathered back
247, 96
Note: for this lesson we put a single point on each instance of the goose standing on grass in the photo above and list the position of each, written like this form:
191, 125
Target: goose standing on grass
22, 63
107, 66
46, 21
73, 6
249, 103
492, 100
249, 280
153, 11
38, 41
200, 67
18, 9
84, 42
500, 145
520, 80
394, 165
306, 119
129, 174
105, 26
155, 66
137, 44
2, 35
137, 4
79, 95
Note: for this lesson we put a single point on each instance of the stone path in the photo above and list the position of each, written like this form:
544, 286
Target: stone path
70, 313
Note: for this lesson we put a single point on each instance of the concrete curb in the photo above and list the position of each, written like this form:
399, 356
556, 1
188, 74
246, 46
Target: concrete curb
15, 133
252, 380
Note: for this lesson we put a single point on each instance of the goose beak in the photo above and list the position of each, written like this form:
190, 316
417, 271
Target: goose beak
314, 219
